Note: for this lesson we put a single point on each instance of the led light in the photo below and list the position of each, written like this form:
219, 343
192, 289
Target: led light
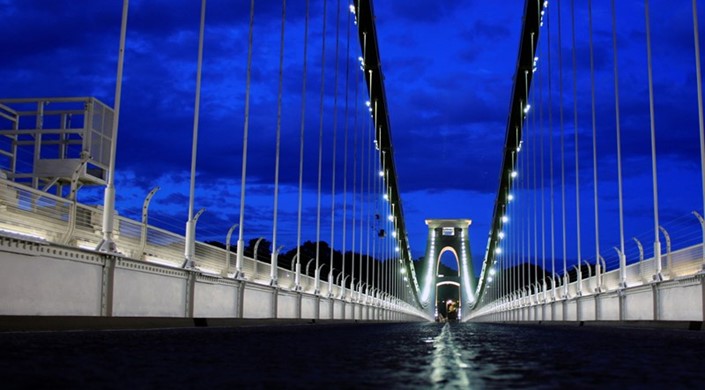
403, 270
394, 234
396, 249
501, 235
510, 197
489, 280
505, 219
381, 173
390, 218
492, 271
352, 8
514, 174
385, 196
527, 108
498, 250
368, 103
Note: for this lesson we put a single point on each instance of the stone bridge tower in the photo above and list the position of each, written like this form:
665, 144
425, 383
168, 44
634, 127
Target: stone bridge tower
447, 235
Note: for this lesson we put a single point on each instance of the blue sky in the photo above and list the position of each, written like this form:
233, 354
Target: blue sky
448, 70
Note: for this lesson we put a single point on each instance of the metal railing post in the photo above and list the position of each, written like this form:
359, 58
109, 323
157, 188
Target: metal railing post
589, 272
330, 282
73, 199
702, 227
668, 256
342, 287
604, 269
641, 252
307, 265
145, 220
296, 267
622, 268
317, 280
274, 267
224, 272
254, 255
579, 291
190, 241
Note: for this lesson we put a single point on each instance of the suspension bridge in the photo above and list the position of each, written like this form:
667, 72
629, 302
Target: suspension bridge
62, 258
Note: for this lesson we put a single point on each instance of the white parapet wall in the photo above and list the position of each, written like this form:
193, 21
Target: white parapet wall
677, 294
45, 279
677, 300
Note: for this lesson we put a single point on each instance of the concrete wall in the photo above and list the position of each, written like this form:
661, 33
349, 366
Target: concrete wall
39, 279
679, 299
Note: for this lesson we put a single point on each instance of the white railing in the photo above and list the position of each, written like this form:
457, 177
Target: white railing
32, 214
683, 263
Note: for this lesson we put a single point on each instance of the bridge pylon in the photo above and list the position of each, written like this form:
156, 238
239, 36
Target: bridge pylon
447, 235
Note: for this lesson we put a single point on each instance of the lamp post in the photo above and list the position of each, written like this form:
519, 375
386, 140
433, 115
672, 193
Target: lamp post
224, 273
145, 217
641, 253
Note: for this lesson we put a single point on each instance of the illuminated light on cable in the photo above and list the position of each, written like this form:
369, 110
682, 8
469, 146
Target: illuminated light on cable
498, 250
505, 219
403, 270
527, 108
352, 9
368, 103
385, 197
501, 235
390, 217
396, 249
381, 173
492, 271
510, 197
489, 280
545, 4
394, 234
514, 174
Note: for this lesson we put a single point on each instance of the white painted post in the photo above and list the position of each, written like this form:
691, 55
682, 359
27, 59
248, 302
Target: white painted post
145, 218
274, 267
190, 244
702, 227
622, 268
580, 280
668, 256
228, 236
641, 252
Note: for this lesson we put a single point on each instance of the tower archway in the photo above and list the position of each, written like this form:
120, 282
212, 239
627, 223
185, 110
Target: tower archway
447, 235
